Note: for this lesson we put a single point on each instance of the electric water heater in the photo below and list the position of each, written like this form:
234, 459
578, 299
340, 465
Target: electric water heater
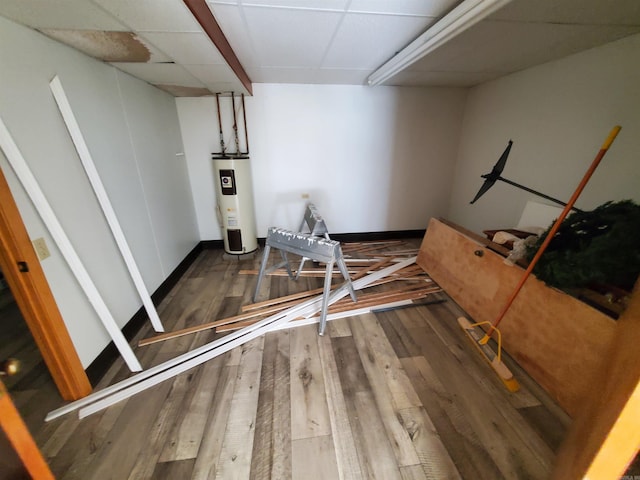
235, 210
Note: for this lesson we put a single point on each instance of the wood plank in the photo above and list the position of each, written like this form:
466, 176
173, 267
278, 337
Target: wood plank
344, 443
401, 341
309, 411
235, 455
261, 464
380, 460
458, 436
452, 336
175, 469
380, 361
503, 442
154, 444
206, 464
338, 328
546, 424
74, 460
539, 324
434, 458
117, 458
383, 376
314, 458
281, 457
522, 398
190, 422
413, 472
374, 451
605, 436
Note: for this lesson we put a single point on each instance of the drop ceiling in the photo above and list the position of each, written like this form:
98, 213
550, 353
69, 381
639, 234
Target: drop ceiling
320, 41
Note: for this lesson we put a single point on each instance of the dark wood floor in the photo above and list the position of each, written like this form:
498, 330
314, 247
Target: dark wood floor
399, 394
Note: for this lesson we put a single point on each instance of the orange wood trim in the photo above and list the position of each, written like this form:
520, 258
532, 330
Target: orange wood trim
22, 441
36, 302
208, 22
605, 436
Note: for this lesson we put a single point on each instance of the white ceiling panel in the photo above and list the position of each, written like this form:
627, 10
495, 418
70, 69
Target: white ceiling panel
212, 73
591, 12
109, 46
290, 38
442, 79
435, 8
484, 49
152, 15
186, 48
366, 41
335, 5
321, 41
282, 75
235, 29
59, 14
160, 73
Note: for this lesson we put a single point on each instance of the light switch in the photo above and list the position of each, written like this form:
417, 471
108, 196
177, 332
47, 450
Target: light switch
41, 248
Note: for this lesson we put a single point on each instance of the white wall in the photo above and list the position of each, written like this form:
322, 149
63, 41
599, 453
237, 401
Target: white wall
558, 115
371, 159
132, 132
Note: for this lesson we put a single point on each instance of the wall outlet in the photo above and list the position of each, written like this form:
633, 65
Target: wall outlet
305, 196
41, 248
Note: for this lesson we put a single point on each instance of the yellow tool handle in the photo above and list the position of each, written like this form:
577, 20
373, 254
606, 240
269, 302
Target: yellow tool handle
612, 136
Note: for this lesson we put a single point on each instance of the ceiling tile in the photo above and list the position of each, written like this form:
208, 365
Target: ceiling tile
160, 73
186, 48
109, 46
152, 15
61, 14
230, 19
483, 48
441, 79
339, 5
368, 41
212, 73
290, 38
433, 8
179, 91
282, 75
593, 12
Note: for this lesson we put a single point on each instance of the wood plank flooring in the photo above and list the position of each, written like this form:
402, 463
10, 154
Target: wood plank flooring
392, 395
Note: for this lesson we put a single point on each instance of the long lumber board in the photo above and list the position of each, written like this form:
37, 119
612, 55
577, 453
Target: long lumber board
556, 338
169, 369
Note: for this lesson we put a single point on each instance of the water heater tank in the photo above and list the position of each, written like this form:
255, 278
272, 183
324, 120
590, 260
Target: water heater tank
235, 210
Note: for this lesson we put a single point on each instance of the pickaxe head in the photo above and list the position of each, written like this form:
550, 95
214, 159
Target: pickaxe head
493, 176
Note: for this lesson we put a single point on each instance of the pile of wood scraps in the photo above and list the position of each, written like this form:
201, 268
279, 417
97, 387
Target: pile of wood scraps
263, 317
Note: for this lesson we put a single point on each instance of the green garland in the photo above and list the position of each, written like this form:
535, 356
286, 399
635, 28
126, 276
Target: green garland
599, 246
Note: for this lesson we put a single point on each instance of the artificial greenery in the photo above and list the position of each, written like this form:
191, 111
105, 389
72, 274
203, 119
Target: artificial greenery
598, 246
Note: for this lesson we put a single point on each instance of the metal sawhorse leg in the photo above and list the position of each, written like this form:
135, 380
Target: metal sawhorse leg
308, 246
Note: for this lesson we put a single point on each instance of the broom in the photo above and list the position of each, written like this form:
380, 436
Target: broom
479, 338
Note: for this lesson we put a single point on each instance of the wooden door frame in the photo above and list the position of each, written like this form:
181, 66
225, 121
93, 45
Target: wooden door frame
36, 302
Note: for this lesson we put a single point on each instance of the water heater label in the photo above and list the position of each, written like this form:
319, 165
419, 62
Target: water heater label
232, 221
227, 182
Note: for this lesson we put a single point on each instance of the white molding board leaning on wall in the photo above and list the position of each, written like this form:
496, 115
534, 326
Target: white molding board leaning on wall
132, 131
32, 188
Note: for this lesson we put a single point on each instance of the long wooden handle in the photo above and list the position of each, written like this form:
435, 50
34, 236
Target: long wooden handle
596, 161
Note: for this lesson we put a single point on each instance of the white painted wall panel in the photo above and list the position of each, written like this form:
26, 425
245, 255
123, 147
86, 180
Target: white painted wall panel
558, 115
29, 61
376, 159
